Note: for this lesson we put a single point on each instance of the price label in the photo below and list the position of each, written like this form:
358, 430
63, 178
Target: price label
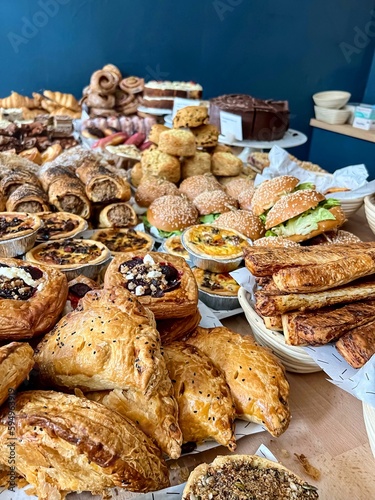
231, 125
180, 102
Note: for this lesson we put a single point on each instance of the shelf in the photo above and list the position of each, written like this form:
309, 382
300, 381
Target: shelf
346, 129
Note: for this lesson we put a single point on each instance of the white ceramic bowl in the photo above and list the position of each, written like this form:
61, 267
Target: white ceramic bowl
370, 211
332, 116
349, 207
332, 99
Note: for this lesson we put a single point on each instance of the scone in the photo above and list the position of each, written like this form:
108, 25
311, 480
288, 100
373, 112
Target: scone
155, 132
198, 164
206, 135
161, 164
177, 142
191, 116
225, 164
136, 174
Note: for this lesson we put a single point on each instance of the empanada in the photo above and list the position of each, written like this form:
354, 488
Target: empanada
16, 361
206, 408
164, 283
32, 297
255, 377
66, 443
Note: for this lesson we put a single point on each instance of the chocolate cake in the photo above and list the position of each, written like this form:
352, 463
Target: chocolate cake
261, 120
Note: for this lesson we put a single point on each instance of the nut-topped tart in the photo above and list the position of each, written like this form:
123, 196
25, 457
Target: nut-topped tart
124, 240
17, 224
58, 225
164, 283
69, 254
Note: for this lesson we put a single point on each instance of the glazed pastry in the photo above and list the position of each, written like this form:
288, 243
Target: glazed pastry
105, 112
175, 329
31, 298
357, 346
255, 376
123, 98
67, 194
101, 185
104, 81
51, 153
69, 254
15, 225
167, 285
112, 69
15, 178
16, 362
156, 415
32, 155
61, 447
77, 289
63, 100
124, 240
28, 198
117, 215
104, 101
205, 405
132, 84
58, 225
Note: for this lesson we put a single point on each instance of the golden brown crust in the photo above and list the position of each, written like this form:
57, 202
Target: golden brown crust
199, 164
118, 215
16, 361
23, 319
28, 224
205, 405
172, 213
152, 188
273, 323
15, 178
68, 195
243, 221
101, 185
174, 246
175, 329
226, 164
177, 303
217, 283
270, 191
214, 202
177, 142
255, 376
358, 345
190, 116
27, 198
155, 162
237, 185
119, 240
66, 443
206, 135
193, 186
155, 132
57, 225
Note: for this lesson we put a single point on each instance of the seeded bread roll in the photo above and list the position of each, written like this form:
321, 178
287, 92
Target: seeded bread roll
245, 222
206, 135
226, 164
177, 142
198, 164
270, 191
172, 213
237, 186
275, 241
191, 116
152, 188
155, 162
155, 132
193, 186
245, 198
214, 202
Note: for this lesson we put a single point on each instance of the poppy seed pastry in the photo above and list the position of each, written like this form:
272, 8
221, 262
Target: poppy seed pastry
177, 142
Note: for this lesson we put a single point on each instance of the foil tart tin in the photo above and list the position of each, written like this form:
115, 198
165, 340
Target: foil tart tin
219, 302
74, 235
18, 246
91, 271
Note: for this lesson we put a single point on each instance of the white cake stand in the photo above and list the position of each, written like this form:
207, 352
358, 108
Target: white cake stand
291, 139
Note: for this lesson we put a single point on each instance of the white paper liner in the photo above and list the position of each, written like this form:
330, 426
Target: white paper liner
358, 382
353, 177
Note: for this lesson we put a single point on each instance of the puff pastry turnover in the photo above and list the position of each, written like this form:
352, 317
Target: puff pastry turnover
16, 361
66, 444
164, 283
32, 297
206, 408
255, 377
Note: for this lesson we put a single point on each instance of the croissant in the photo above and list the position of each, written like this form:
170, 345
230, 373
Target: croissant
63, 100
65, 112
33, 155
49, 105
31, 114
16, 100
51, 153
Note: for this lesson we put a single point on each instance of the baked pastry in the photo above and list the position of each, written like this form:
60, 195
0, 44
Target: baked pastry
175, 329
193, 186
246, 477
170, 215
62, 448
51, 153
152, 188
101, 185
357, 346
225, 164
68, 194
205, 405
112, 68
16, 362
77, 289
136, 174
124, 240
198, 164
255, 376
69, 254
117, 215
31, 298
28, 198
63, 100
217, 283
2, 202
155, 162
206, 136
16, 100
237, 185
210, 241
214, 202
59, 225
155, 132
50, 173
132, 84
104, 81
15, 225
166, 284
33, 155
177, 142
173, 246
243, 221
190, 116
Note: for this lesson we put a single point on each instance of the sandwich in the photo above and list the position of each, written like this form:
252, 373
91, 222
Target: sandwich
210, 204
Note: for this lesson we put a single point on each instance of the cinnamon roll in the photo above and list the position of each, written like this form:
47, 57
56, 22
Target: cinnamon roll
132, 84
102, 101
104, 82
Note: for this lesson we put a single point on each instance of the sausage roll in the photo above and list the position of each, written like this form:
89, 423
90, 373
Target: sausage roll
117, 215
51, 174
67, 194
15, 178
31, 298
28, 198
66, 443
164, 283
101, 184
16, 361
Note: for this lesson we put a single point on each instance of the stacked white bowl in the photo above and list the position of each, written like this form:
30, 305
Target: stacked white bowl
370, 211
295, 359
330, 106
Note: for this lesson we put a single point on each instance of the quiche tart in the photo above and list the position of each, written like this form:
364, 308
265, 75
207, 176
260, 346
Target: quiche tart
124, 240
69, 254
164, 283
173, 246
58, 225
217, 283
16, 224
31, 298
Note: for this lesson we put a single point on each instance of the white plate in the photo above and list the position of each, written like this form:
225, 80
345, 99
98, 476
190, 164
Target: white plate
291, 139
154, 111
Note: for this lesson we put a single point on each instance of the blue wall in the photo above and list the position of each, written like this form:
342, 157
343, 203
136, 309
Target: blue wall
268, 48
369, 96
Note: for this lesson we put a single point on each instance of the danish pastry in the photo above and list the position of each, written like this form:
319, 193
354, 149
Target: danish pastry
16, 361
